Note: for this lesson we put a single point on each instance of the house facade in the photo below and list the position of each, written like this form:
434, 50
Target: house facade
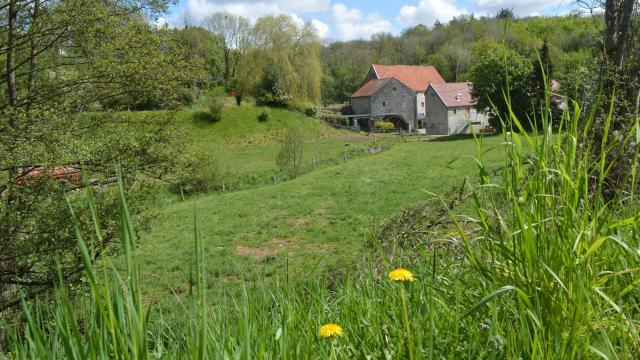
451, 110
384, 99
408, 112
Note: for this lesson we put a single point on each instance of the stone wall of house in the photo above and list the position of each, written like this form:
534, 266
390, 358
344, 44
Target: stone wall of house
396, 98
462, 118
437, 114
361, 105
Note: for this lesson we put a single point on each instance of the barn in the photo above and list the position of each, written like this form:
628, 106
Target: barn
393, 93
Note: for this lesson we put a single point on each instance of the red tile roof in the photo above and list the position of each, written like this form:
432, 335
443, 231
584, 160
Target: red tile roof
370, 88
455, 94
415, 77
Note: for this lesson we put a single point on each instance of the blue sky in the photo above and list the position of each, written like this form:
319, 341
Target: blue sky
359, 19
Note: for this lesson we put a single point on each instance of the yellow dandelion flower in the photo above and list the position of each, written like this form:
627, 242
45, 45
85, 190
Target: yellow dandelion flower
330, 330
401, 274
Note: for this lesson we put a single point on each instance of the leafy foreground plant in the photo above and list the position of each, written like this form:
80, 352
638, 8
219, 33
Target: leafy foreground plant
548, 236
549, 271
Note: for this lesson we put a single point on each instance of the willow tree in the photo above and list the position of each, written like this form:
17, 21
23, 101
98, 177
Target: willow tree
283, 67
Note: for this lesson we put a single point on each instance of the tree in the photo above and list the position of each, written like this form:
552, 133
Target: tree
289, 158
498, 76
542, 73
287, 55
505, 14
233, 31
67, 60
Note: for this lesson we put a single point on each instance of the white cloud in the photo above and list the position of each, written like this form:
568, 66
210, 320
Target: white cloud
522, 7
253, 9
161, 22
350, 24
321, 28
428, 11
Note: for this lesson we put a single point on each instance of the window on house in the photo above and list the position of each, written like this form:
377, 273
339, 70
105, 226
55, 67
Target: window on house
455, 110
384, 103
394, 88
422, 104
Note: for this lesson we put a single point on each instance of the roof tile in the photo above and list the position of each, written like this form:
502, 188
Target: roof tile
455, 94
415, 77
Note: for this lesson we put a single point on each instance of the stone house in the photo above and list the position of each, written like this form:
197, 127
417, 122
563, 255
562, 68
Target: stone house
451, 110
384, 99
394, 93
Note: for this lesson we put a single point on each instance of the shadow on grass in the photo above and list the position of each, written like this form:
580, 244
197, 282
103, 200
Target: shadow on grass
460, 137
202, 118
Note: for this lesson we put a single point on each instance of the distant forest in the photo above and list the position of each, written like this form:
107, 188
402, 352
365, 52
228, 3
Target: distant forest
455, 47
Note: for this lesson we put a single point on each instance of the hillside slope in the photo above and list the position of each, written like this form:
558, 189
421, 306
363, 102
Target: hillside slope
320, 219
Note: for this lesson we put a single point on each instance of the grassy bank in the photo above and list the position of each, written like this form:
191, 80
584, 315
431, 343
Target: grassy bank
542, 267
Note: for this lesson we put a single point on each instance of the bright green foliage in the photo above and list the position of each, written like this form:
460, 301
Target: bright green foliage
283, 66
289, 157
215, 107
545, 269
503, 74
453, 48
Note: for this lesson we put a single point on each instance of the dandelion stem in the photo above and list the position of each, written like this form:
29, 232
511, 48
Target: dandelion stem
405, 318
333, 350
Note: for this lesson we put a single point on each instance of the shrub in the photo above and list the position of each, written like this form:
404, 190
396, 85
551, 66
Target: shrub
385, 125
199, 174
310, 112
290, 156
264, 116
215, 107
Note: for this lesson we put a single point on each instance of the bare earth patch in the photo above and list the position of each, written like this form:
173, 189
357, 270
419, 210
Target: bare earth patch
257, 254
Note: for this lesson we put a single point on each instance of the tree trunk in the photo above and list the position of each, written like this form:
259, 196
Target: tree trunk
33, 62
624, 26
11, 58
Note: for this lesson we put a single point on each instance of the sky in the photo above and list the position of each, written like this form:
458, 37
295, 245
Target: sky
359, 19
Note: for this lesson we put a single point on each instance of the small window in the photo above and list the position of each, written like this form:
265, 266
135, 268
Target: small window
422, 104
394, 88
384, 103
455, 110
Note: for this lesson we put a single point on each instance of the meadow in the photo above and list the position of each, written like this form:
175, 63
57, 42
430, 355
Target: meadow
508, 247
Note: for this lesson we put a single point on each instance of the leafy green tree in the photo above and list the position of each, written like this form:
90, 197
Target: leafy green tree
502, 75
66, 61
289, 157
284, 62
233, 31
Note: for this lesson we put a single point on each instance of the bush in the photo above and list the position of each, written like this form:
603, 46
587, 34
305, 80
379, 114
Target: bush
289, 158
215, 107
199, 174
385, 125
264, 116
310, 112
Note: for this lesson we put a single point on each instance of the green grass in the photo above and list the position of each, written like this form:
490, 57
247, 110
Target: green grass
246, 149
321, 219
544, 266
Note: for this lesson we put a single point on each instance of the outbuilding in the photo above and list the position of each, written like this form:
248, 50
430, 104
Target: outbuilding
451, 109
